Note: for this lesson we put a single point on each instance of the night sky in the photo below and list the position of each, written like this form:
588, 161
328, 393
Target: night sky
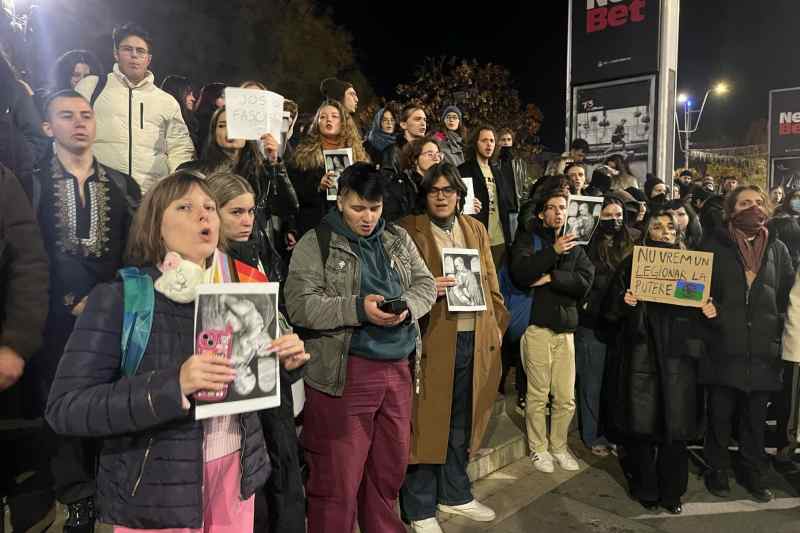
751, 44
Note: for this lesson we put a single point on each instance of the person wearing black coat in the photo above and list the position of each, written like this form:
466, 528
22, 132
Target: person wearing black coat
331, 129
402, 197
751, 280
656, 405
786, 225
611, 243
561, 274
493, 189
158, 466
23, 310
22, 142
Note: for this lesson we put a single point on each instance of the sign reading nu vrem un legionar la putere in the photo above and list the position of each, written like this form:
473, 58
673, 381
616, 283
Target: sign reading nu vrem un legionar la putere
677, 277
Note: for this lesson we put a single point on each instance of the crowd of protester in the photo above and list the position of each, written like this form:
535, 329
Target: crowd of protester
104, 170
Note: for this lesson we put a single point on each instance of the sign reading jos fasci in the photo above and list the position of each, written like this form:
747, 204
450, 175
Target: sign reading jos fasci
614, 39
784, 123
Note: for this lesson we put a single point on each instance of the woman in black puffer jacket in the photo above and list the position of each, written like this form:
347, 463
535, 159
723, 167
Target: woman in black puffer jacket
655, 403
159, 467
750, 286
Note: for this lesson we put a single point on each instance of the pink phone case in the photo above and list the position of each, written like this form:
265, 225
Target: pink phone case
219, 341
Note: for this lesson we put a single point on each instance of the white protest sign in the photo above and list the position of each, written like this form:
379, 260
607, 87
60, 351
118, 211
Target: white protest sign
251, 113
469, 200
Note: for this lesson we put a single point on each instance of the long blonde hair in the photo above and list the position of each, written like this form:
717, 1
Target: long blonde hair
309, 153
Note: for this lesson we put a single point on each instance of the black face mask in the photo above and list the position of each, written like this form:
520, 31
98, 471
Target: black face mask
660, 244
610, 226
658, 199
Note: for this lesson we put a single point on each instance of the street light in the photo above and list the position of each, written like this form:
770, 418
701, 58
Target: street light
719, 89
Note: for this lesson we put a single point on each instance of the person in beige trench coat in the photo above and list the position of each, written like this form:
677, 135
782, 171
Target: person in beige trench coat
444, 334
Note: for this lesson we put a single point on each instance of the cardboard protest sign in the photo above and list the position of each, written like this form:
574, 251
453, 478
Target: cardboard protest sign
671, 276
251, 113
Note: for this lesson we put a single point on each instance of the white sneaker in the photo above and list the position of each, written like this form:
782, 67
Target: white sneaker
429, 525
473, 510
543, 462
566, 461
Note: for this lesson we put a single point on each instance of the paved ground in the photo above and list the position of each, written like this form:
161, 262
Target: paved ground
595, 500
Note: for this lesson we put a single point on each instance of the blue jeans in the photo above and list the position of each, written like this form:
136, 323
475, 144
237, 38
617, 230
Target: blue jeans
448, 483
590, 360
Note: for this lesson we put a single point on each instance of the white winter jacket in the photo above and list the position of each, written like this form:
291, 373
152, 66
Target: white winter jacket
791, 329
140, 130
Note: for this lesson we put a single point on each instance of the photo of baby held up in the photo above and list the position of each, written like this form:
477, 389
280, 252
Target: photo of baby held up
239, 321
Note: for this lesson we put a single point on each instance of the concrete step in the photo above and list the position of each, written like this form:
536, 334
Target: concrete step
504, 442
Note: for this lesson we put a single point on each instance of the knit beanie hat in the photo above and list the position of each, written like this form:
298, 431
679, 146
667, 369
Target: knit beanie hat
452, 109
650, 184
334, 89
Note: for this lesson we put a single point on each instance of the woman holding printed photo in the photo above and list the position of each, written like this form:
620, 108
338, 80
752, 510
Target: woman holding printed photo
331, 129
159, 468
460, 361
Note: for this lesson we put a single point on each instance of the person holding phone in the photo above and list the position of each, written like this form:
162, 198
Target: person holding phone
461, 363
560, 274
358, 383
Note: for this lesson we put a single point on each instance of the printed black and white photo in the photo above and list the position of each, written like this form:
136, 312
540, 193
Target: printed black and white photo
786, 173
615, 118
336, 161
583, 215
239, 321
464, 265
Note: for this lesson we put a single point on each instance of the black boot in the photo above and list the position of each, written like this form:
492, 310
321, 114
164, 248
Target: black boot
717, 483
79, 516
755, 486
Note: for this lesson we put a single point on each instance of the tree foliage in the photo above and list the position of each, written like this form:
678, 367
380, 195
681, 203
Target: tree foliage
290, 45
484, 92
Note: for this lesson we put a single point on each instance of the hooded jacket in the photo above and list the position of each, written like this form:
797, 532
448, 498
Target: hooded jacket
377, 277
322, 298
140, 128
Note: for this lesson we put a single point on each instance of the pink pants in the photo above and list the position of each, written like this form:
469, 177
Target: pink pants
223, 509
357, 448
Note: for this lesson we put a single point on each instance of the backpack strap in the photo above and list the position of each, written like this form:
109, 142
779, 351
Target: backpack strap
137, 319
120, 182
102, 80
324, 241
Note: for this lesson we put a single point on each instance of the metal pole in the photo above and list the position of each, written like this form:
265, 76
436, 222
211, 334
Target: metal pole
687, 123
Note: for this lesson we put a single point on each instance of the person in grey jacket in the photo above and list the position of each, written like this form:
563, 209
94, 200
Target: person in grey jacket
357, 418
